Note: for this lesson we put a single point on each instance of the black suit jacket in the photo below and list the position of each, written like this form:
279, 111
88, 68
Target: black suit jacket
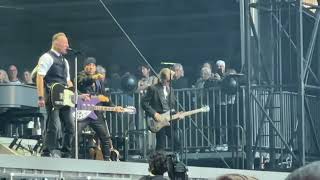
153, 100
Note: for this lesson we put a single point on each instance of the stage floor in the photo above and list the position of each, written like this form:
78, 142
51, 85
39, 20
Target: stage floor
15, 167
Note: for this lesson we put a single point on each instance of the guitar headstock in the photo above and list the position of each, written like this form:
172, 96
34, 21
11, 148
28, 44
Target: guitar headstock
130, 110
103, 98
205, 109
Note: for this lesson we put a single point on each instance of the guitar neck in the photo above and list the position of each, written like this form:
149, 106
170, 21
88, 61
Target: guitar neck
101, 108
188, 113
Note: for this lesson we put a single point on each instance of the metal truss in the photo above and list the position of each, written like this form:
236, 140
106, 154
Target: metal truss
286, 31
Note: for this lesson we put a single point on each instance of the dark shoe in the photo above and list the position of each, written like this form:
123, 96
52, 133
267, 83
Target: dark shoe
45, 154
66, 155
53, 153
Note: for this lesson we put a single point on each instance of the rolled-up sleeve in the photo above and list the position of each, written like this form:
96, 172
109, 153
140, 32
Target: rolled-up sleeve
44, 64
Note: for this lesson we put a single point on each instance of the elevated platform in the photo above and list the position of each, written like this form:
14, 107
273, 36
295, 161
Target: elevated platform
14, 167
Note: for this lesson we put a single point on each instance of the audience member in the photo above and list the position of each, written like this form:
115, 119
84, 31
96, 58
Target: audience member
236, 177
115, 82
205, 74
208, 64
308, 172
27, 79
13, 75
157, 166
146, 80
3, 76
179, 80
101, 70
220, 68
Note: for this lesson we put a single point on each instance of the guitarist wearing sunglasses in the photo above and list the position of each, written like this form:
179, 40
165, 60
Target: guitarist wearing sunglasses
91, 82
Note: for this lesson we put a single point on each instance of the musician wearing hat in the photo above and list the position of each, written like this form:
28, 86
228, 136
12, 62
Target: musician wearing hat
91, 82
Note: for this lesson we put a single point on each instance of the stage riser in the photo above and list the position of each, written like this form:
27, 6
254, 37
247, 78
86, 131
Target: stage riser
52, 168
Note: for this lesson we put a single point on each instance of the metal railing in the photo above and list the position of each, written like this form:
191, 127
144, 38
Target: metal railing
223, 127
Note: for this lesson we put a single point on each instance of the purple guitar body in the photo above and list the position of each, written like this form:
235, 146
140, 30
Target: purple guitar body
86, 108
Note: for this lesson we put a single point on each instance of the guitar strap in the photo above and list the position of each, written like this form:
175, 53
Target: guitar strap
98, 86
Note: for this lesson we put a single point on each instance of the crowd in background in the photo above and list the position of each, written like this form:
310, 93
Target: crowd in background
208, 71
12, 76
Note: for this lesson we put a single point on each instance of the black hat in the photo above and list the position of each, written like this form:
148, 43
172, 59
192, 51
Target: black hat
89, 60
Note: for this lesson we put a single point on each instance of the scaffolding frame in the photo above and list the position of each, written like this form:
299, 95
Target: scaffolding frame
274, 77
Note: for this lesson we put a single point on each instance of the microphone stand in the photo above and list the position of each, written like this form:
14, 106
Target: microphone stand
76, 104
170, 115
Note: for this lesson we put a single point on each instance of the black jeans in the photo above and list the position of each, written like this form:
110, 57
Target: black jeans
58, 118
224, 124
166, 131
102, 131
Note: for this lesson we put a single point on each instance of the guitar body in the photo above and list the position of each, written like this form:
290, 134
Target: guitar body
155, 126
82, 113
60, 96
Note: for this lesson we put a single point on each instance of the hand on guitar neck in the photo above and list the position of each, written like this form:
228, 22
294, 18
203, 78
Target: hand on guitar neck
98, 77
85, 97
119, 109
161, 120
178, 115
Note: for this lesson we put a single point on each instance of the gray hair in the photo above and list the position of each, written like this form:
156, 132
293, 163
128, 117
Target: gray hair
101, 69
310, 171
206, 69
220, 62
178, 66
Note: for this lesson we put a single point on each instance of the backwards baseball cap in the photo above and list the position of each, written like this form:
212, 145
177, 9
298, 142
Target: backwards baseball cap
89, 60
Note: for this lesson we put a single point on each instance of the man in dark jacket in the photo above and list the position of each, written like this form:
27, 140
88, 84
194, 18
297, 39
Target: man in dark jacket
157, 101
91, 82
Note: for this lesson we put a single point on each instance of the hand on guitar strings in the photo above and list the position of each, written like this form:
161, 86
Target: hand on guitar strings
157, 117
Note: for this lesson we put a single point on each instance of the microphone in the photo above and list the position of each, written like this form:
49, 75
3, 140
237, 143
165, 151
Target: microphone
168, 63
73, 50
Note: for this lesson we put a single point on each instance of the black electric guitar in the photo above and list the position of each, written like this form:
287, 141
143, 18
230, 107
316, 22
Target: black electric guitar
155, 126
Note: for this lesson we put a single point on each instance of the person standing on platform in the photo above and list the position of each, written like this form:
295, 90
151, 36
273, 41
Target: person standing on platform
157, 101
53, 67
91, 82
